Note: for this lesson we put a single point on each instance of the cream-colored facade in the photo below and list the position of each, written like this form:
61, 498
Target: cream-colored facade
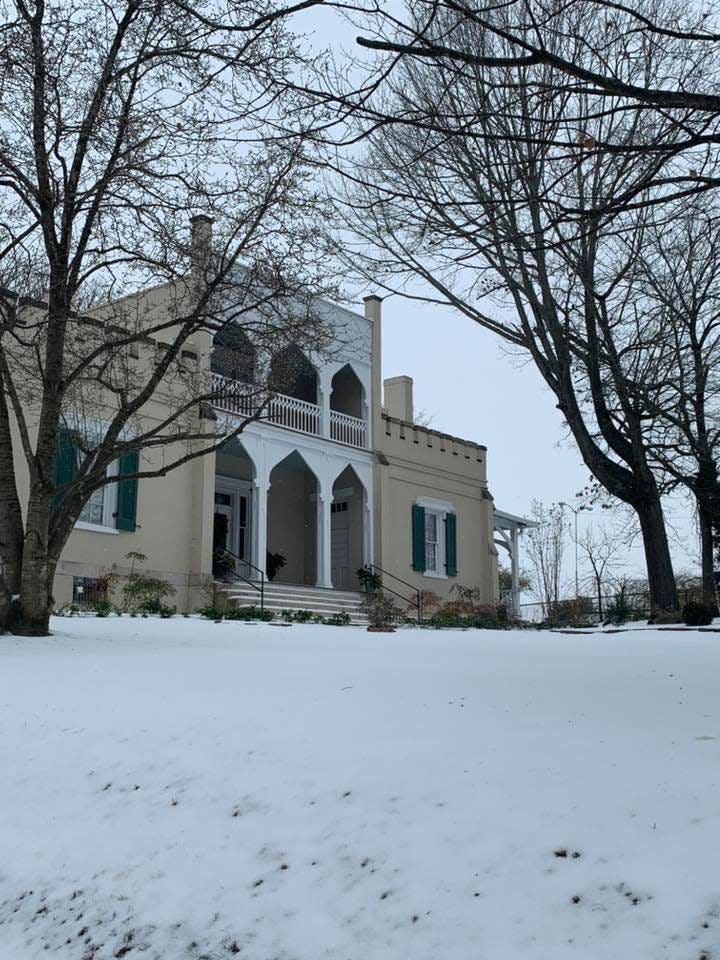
333, 480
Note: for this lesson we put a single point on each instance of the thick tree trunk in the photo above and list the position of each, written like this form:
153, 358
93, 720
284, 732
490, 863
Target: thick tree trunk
38, 571
10, 587
661, 579
707, 559
11, 522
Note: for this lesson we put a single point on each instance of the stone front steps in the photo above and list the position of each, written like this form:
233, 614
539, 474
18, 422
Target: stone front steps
287, 596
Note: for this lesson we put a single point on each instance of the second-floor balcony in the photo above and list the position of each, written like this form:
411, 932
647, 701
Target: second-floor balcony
233, 396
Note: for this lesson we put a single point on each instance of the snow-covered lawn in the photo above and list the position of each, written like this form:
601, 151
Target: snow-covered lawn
179, 789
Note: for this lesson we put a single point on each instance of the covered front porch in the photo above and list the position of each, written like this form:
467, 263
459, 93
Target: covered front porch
331, 402
290, 516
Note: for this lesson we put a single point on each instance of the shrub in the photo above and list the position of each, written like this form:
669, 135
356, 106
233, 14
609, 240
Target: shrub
303, 616
467, 611
697, 614
145, 594
429, 600
341, 619
67, 610
381, 610
482, 617
575, 611
210, 612
247, 613
101, 608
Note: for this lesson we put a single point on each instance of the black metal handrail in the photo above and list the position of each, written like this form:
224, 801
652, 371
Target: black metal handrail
374, 568
253, 583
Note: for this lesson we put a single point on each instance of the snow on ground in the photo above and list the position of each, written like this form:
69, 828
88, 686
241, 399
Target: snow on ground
179, 789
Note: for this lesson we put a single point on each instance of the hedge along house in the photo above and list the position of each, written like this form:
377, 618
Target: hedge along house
330, 480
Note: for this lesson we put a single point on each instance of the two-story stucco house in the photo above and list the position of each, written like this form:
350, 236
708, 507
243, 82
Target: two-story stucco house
335, 477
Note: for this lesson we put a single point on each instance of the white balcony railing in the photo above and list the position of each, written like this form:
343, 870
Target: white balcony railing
232, 395
235, 397
347, 429
294, 414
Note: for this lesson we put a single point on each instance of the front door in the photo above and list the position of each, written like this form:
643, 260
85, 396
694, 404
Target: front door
340, 544
231, 526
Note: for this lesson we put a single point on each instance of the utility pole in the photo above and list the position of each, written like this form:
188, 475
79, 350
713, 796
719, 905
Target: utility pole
576, 512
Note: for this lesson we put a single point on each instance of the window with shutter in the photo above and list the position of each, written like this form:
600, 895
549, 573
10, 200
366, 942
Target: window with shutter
451, 544
418, 538
127, 492
65, 463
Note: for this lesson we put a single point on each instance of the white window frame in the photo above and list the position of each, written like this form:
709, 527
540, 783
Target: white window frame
110, 502
440, 508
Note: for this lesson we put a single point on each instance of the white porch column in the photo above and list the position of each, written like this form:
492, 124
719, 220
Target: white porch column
368, 525
324, 540
324, 391
261, 486
515, 571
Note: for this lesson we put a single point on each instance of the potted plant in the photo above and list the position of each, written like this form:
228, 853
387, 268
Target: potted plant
382, 612
273, 563
369, 580
223, 564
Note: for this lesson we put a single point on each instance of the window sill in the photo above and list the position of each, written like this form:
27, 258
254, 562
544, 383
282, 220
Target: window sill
94, 527
435, 575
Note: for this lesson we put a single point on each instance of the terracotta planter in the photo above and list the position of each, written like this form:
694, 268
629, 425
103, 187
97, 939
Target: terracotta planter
381, 629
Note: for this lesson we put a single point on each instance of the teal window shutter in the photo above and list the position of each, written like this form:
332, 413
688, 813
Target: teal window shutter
127, 492
65, 463
451, 544
418, 538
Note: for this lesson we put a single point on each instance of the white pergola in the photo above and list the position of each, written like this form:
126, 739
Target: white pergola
508, 528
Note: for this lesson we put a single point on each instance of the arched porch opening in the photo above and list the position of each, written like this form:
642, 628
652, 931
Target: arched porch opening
347, 394
347, 530
233, 355
292, 522
292, 375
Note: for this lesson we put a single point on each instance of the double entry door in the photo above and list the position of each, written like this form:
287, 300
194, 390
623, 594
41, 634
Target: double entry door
232, 519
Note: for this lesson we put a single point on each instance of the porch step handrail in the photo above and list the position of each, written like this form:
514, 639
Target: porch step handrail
417, 602
253, 583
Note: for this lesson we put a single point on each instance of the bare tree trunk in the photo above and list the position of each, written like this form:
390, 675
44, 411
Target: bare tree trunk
11, 525
661, 580
707, 559
38, 570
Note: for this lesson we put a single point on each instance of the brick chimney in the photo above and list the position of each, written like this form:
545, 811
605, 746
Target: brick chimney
399, 398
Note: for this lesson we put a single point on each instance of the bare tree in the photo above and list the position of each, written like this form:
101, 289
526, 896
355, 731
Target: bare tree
676, 291
475, 218
604, 551
545, 48
545, 548
116, 122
